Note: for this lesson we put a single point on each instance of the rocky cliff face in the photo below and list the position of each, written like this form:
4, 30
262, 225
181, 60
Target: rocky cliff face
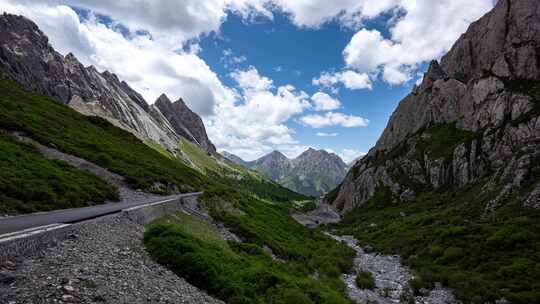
312, 173
235, 159
274, 165
27, 57
317, 171
186, 123
474, 118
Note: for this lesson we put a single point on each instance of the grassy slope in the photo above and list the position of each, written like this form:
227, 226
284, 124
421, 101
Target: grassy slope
313, 186
91, 138
244, 273
29, 182
443, 236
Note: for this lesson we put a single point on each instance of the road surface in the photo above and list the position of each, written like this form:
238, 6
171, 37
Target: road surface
21, 222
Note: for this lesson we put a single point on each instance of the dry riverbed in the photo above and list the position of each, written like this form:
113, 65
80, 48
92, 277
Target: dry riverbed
391, 280
391, 277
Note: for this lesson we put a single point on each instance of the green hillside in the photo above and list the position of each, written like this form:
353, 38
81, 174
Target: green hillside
236, 176
93, 139
29, 182
444, 237
306, 267
145, 166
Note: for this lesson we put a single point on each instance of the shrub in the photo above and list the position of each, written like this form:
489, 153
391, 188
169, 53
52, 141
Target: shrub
365, 280
436, 251
452, 254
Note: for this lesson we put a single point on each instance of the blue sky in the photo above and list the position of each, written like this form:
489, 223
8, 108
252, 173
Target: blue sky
291, 55
264, 74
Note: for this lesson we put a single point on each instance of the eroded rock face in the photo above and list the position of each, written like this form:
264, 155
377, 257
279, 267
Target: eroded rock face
185, 122
488, 85
27, 57
275, 165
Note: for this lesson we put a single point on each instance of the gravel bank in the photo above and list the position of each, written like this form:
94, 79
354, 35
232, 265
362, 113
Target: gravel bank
104, 261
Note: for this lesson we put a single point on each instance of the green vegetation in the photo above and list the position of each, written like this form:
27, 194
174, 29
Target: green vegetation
196, 227
260, 187
313, 186
154, 145
445, 236
200, 158
29, 182
365, 280
93, 139
307, 265
443, 140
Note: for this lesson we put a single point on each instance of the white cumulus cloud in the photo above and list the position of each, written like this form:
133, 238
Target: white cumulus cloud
323, 134
349, 79
333, 119
425, 32
325, 102
256, 123
350, 155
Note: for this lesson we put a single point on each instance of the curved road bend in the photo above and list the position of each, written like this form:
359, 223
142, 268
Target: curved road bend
21, 222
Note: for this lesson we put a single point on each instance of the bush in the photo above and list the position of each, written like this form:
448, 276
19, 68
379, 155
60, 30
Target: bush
436, 251
452, 254
508, 236
365, 280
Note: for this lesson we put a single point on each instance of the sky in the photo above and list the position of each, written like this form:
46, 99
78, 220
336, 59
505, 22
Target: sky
264, 74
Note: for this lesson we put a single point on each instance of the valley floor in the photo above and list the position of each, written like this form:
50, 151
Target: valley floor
392, 279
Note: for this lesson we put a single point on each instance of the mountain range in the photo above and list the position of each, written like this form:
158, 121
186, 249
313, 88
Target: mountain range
313, 173
27, 57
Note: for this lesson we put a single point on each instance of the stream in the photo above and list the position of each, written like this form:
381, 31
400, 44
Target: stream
391, 279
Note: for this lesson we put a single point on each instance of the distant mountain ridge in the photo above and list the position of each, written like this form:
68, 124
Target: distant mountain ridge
27, 57
314, 172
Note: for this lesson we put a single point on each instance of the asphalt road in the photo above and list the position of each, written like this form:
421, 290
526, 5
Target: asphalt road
17, 223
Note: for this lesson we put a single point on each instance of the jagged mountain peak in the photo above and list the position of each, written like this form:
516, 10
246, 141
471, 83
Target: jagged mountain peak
163, 98
276, 154
313, 172
185, 122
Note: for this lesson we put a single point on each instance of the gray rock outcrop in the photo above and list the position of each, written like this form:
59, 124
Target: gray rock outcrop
487, 88
185, 122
